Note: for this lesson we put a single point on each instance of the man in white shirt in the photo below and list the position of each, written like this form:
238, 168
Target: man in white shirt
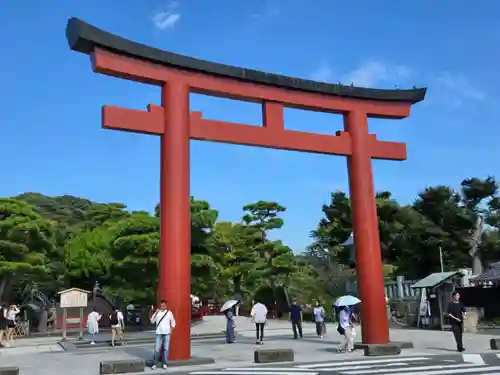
117, 325
165, 323
259, 317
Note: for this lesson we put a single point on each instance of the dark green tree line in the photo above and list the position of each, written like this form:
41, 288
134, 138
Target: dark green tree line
66, 241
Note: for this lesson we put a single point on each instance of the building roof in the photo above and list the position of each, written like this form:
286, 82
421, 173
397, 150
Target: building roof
434, 279
349, 241
74, 290
85, 38
491, 274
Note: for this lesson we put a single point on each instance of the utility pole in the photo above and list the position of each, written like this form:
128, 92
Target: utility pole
441, 258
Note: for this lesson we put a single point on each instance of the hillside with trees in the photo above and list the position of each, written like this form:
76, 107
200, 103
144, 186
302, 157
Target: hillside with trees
65, 241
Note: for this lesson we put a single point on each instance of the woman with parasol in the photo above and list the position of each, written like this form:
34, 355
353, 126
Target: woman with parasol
228, 310
346, 321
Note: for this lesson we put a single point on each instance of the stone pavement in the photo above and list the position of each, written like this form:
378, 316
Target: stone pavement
473, 364
43, 356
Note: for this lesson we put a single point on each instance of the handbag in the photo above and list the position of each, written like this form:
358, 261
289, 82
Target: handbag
341, 330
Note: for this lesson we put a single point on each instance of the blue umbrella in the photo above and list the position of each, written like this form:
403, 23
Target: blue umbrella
346, 301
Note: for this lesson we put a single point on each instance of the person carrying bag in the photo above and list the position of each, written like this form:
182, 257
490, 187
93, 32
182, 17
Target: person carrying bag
346, 328
165, 323
319, 319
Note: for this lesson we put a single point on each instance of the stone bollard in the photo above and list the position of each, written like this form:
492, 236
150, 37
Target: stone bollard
378, 350
121, 367
495, 344
9, 370
274, 355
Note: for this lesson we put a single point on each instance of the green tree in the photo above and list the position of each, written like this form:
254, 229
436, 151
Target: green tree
87, 255
133, 273
414, 249
25, 241
66, 209
276, 260
203, 269
235, 259
442, 206
306, 283
333, 230
100, 214
88, 258
475, 193
329, 260
406, 239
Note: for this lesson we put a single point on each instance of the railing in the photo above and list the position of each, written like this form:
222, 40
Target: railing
397, 290
22, 329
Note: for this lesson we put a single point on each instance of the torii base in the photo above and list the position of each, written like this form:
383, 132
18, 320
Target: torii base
193, 361
376, 350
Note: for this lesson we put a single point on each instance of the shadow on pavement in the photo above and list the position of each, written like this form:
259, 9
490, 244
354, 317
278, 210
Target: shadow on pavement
334, 351
319, 341
140, 352
442, 349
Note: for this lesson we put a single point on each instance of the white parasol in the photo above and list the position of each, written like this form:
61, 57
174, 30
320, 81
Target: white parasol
229, 304
347, 301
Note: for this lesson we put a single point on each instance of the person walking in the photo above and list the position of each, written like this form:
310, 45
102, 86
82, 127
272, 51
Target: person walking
259, 317
346, 328
319, 319
296, 319
117, 325
11, 323
456, 313
93, 324
230, 325
354, 323
3, 325
164, 320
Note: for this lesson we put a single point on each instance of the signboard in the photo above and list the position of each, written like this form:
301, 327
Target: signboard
74, 298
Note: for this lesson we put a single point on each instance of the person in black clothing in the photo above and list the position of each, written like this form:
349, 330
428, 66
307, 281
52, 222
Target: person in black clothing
296, 319
3, 325
456, 313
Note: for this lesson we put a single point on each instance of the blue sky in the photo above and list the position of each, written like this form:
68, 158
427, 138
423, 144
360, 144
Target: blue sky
50, 100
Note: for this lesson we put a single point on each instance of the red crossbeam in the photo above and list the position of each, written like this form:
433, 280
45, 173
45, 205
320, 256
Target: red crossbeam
116, 65
132, 120
272, 135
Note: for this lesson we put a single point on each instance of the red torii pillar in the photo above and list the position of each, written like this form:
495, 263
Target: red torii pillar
178, 76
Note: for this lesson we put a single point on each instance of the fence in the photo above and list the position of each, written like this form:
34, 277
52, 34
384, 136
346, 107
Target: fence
397, 290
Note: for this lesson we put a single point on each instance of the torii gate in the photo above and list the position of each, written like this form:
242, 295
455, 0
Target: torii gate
178, 76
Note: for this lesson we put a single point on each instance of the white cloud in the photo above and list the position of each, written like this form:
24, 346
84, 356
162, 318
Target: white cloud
372, 73
323, 73
166, 18
267, 13
455, 89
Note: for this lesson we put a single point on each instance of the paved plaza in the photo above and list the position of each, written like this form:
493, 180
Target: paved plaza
406, 365
433, 354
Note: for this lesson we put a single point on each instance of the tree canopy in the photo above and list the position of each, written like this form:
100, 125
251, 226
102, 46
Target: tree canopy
68, 241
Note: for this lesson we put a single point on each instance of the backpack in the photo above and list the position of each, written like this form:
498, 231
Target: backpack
114, 319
